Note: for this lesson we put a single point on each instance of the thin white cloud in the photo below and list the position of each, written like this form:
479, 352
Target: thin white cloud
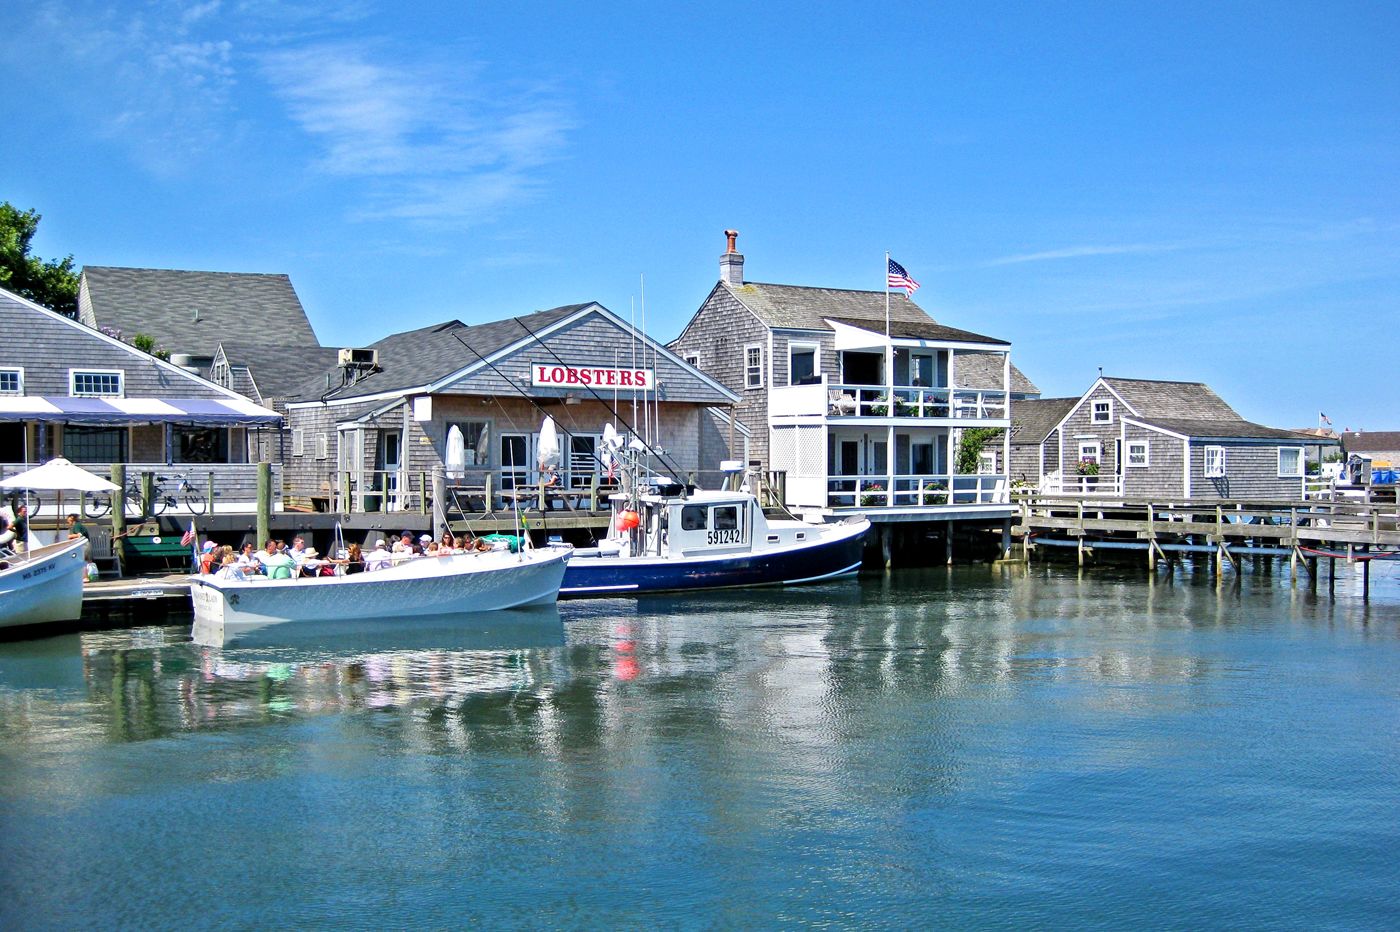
1081, 252
429, 148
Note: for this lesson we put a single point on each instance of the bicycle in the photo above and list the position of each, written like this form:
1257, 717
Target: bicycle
99, 504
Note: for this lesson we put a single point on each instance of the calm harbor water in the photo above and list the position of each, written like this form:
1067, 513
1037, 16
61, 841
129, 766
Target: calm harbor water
981, 747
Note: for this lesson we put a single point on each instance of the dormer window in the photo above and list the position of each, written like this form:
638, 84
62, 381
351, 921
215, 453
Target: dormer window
95, 383
1102, 412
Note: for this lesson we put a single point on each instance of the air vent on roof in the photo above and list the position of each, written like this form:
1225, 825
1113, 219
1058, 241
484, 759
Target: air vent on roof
358, 358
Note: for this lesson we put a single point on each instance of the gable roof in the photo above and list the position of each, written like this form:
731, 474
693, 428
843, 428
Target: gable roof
1378, 441
1225, 429
806, 308
1158, 399
274, 372
418, 358
1032, 420
260, 308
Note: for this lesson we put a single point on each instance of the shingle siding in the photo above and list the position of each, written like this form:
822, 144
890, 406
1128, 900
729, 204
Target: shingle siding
1162, 477
718, 333
1251, 471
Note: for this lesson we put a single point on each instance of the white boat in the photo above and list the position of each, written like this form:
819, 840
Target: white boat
420, 586
45, 584
669, 540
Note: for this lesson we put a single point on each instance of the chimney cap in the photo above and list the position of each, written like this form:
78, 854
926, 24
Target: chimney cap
731, 235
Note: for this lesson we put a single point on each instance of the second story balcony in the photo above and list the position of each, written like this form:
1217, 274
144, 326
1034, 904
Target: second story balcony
846, 402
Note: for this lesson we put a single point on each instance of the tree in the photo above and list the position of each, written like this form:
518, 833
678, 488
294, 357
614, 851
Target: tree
53, 284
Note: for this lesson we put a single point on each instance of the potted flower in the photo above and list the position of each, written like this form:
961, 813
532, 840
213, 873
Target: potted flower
880, 407
872, 494
935, 493
1086, 468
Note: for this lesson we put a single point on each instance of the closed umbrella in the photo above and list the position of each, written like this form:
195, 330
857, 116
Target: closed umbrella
456, 453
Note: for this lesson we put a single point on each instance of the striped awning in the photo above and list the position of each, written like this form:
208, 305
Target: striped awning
206, 412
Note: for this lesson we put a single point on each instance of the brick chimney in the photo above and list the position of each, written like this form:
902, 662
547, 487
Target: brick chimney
731, 264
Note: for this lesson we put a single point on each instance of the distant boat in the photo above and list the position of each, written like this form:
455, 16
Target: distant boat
418, 587
43, 585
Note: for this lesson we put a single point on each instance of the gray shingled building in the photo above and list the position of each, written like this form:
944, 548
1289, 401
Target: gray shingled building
365, 433
857, 408
1142, 438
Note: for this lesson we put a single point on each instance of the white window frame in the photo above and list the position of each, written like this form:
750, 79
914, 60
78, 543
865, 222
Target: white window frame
73, 383
1097, 448
753, 373
1298, 470
1216, 470
1094, 411
299, 441
692, 359
19, 375
816, 349
323, 444
1144, 454
987, 463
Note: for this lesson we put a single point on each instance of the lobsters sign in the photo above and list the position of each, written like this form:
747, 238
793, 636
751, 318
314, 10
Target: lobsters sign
591, 376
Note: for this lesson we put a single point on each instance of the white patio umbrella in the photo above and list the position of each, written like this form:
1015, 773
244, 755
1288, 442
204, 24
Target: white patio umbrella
549, 444
58, 475
456, 461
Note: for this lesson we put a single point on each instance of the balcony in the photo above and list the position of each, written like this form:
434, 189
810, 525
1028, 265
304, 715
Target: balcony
915, 491
837, 402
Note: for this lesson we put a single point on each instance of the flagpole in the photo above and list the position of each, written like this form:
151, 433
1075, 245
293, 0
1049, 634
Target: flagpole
887, 294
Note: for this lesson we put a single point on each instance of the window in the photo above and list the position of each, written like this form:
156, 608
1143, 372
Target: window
94, 444
693, 517
475, 441
95, 383
1214, 462
1089, 451
802, 364
201, 445
986, 464
1137, 453
726, 518
692, 359
1103, 412
753, 366
11, 381
1290, 462
323, 445
299, 442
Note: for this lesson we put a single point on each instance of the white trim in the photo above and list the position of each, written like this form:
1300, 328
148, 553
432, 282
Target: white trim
1186, 466
18, 370
744, 366
74, 372
1094, 411
1290, 475
1098, 451
127, 347
1153, 427
299, 441
322, 446
1222, 470
691, 359
1085, 397
803, 345
1146, 454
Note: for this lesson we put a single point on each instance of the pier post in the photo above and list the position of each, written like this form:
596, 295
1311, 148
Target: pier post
148, 493
264, 521
593, 492
1332, 576
439, 504
210, 491
1365, 580
119, 516
886, 543
1006, 539
948, 543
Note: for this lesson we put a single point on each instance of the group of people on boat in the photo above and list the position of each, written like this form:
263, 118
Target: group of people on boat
278, 560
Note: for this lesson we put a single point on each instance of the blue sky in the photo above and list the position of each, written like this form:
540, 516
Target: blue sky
1193, 191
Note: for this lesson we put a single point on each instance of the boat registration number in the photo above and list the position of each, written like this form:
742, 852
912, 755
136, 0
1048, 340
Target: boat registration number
733, 536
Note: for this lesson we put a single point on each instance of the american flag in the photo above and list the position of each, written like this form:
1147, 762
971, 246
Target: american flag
189, 536
898, 278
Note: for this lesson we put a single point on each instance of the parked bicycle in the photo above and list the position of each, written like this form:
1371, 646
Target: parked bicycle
185, 493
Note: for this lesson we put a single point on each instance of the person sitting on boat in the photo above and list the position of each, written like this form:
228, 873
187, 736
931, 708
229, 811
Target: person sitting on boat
228, 567
447, 544
423, 543
353, 561
7, 531
276, 564
379, 558
404, 547
248, 559
209, 558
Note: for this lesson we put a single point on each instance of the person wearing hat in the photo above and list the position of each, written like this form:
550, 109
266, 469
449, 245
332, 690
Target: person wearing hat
209, 558
378, 558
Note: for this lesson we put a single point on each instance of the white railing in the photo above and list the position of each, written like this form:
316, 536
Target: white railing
903, 401
234, 487
911, 491
1055, 484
